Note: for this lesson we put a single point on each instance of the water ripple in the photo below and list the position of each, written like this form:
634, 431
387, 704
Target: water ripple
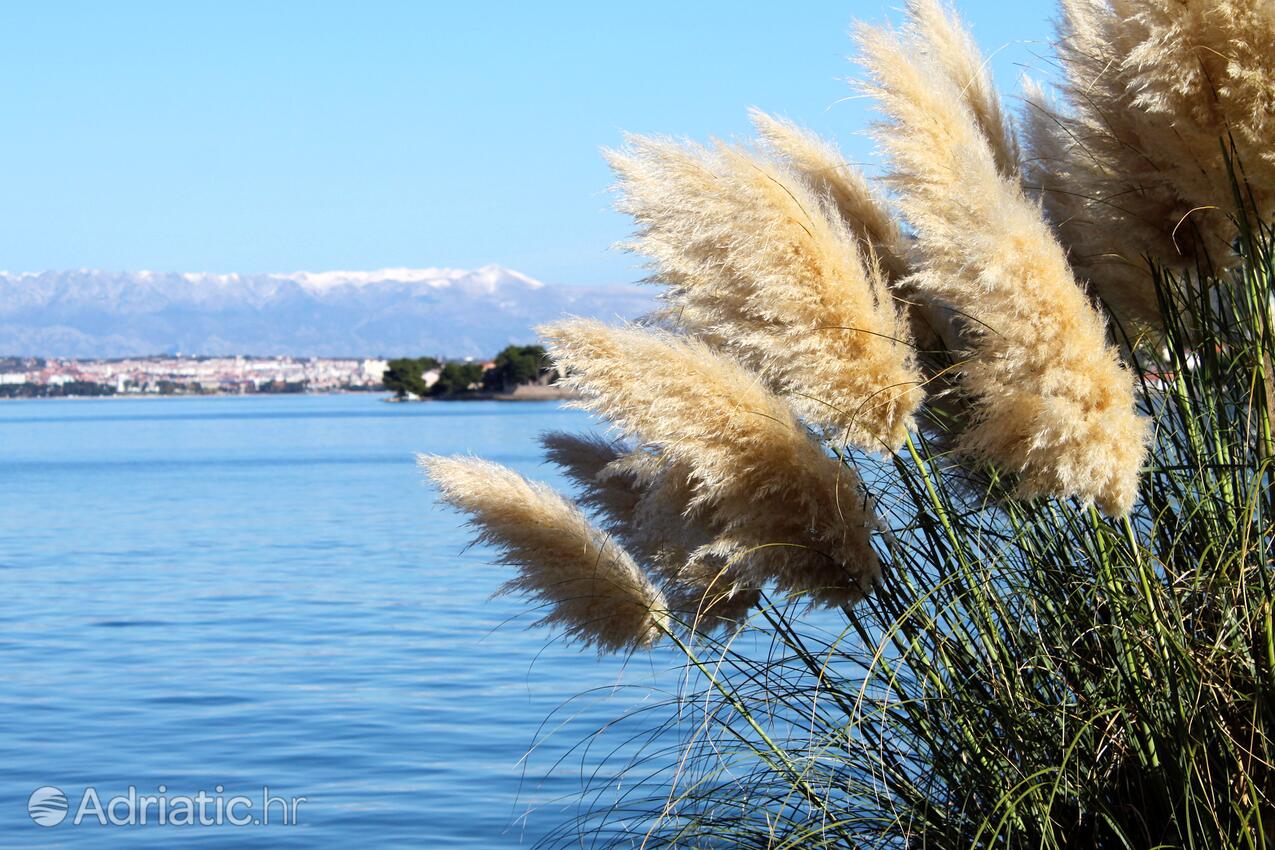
261, 591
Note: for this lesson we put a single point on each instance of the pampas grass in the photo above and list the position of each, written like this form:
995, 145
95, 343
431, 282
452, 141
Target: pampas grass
1159, 96
646, 504
761, 265
586, 459
1018, 671
1024, 676
865, 213
862, 207
773, 497
643, 501
953, 52
592, 587
1052, 402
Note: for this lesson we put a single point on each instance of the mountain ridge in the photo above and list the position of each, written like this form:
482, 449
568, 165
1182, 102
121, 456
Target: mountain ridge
91, 313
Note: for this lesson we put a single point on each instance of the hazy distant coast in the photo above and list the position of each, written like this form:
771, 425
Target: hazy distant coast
387, 313
37, 377
517, 373
524, 393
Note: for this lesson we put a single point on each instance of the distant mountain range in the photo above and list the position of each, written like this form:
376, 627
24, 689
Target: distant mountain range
391, 312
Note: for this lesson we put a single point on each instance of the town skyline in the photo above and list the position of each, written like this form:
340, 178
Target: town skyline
177, 374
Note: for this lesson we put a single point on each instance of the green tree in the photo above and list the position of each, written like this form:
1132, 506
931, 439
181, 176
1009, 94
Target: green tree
407, 375
457, 378
517, 364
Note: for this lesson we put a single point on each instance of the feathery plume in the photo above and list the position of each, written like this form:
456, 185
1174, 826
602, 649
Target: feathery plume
865, 213
773, 498
1094, 217
641, 500
955, 53
862, 208
1183, 75
707, 596
760, 265
596, 591
1155, 89
584, 458
1051, 399
646, 505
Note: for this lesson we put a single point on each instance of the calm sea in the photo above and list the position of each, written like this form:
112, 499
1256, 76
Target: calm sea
259, 592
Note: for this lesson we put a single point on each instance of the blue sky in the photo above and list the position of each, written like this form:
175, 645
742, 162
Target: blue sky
258, 137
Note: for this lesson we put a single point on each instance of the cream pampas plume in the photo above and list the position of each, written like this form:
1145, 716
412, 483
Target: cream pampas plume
953, 50
1052, 402
641, 500
1107, 227
1154, 88
759, 264
863, 209
867, 216
596, 591
646, 505
774, 499
585, 459
1180, 76
706, 595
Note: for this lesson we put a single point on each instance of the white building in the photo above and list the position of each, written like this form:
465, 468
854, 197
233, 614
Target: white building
372, 371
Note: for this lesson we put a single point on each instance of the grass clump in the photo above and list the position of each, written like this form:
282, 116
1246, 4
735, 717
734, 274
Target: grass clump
1019, 455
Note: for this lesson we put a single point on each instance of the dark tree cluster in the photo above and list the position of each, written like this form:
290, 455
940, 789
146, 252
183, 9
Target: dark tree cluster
407, 375
514, 366
517, 364
457, 379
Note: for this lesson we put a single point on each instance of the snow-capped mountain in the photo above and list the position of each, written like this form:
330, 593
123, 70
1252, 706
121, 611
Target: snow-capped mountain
390, 312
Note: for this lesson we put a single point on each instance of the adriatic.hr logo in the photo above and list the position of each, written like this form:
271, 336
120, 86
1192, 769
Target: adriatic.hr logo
47, 806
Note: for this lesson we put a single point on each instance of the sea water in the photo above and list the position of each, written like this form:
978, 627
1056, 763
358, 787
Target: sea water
226, 595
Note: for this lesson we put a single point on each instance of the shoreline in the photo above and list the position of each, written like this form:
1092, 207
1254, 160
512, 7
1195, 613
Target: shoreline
158, 396
530, 393
388, 399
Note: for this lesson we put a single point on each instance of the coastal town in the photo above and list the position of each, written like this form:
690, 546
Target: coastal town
31, 377
516, 373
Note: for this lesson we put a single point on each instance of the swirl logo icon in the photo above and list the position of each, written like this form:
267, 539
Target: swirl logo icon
47, 806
